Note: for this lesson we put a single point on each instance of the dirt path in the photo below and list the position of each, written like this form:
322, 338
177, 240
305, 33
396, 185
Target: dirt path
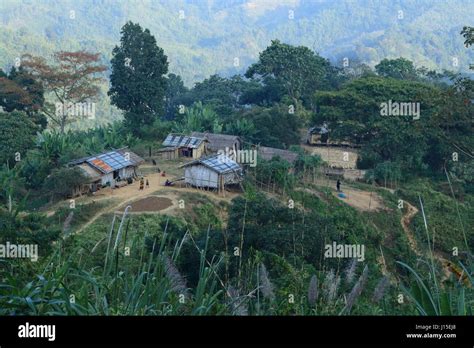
405, 221
131, 193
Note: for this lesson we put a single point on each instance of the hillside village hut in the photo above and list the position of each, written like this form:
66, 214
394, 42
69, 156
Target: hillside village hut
213, 172
176, 146
108, 168
220, 142
267, 153
318, 135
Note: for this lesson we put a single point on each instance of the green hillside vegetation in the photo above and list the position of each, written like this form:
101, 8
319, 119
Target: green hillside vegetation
427, 33
260, 250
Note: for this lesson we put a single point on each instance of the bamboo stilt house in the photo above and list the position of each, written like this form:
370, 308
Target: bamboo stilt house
213, 172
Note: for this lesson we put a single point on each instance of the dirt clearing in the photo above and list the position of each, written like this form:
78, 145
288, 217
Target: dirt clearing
149, 204
361, 200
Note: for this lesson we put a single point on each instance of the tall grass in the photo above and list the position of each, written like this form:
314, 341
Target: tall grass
149, 281
429, 295
146, 286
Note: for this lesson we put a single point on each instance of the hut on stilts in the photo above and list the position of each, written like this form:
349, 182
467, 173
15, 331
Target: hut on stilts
212, 173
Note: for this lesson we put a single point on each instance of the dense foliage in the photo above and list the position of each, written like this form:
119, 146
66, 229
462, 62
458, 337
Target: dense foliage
262, 252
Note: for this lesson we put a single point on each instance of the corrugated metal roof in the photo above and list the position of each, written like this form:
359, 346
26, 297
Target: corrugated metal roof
219, 163
131, 156
319, 129
177, 140
111, 160
91, 173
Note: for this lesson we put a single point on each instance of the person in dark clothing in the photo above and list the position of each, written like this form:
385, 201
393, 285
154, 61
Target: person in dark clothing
147, 184
338, 185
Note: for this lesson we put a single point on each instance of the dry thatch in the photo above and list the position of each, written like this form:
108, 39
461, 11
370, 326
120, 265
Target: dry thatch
267, 153
219, 141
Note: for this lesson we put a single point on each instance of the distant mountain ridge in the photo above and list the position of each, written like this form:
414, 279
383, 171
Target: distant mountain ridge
217, 36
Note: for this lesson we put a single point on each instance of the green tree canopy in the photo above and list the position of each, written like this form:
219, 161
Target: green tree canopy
17, 133
274, 126
354, 114
399, 68
20, 91
225, 95
175, 91
199, 118
298, 69
137, 81
468, 34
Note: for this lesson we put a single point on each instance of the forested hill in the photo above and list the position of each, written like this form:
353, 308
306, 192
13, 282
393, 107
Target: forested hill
206, 37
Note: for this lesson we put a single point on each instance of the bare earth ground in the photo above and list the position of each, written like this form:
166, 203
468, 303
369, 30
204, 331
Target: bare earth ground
405, 221
165, 198
149, 204
359, 199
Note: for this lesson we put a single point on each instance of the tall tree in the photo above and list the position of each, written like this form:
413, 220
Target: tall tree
20, 91
297, 68
137, 81
399, 68
71, 80
175, 91
17, 132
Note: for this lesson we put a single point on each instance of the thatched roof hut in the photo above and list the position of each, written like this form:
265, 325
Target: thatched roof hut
220, 141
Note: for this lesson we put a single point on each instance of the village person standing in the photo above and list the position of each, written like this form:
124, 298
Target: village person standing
141, 183
338, 185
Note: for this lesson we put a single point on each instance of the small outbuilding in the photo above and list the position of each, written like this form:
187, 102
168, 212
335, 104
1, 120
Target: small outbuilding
213, 172
177, 145
318, 135
168, 153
